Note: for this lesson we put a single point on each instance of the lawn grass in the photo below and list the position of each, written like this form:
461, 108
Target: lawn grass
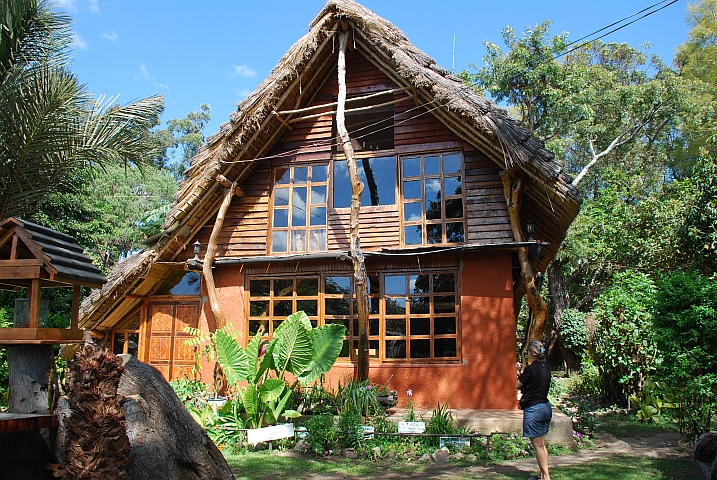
262, 466
628, 426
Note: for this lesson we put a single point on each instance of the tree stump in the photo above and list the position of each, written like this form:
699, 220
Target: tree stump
166, 442
705, 456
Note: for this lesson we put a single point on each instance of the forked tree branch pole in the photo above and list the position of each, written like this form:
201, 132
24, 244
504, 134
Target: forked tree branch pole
356, 190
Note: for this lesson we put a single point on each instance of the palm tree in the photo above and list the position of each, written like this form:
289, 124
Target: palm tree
53, 133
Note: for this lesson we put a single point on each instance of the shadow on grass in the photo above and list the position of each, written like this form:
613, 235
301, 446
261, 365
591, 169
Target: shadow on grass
261, 466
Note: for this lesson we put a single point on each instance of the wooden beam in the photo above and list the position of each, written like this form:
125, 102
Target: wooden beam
227, 184
34, 294
350, 110
283, 122
348, 100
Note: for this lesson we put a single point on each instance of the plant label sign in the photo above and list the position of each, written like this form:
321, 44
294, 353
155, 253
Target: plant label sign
411, 427
368, 431
266, 434
459, 442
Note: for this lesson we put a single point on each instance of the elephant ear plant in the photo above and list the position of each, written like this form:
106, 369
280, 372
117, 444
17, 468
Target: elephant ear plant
296, 348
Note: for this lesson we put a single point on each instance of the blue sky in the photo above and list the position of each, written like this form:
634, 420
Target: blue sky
217, 51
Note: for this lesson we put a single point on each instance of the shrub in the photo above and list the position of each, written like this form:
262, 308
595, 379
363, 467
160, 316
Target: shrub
323, 435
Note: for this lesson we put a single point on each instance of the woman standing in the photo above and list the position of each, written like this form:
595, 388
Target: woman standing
534, 383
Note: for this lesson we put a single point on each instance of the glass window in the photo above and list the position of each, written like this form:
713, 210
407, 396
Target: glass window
432, 199
379, 180
299, 209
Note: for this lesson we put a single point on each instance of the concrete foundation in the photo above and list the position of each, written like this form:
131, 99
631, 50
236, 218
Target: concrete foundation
500, 421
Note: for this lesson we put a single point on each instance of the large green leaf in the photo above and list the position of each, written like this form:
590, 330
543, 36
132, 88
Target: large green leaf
271, 389
327, 341
293, 349
231, 357
250, 398
299, 316
267, 361
253, 349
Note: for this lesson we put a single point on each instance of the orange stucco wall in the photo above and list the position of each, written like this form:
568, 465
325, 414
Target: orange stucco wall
486, 377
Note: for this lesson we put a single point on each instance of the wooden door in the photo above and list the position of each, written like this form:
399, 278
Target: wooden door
167, 350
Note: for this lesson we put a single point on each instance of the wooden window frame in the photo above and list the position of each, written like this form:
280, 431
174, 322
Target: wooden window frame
377, 317
290, 229
361, 155
422, 178
125, 332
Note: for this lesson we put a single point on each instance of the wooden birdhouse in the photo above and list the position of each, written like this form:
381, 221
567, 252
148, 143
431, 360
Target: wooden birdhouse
35, 257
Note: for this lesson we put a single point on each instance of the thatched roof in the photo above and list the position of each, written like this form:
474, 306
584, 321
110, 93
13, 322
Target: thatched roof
253, 130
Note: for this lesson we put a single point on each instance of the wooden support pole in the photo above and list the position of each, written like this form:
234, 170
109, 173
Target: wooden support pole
211, 253
356, 189
513, 189
34, 298
75, 314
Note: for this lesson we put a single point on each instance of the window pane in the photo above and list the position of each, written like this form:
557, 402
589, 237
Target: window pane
298, 241
395, 306
281, 197
412, 189
411, 167
283, 176
258, 309
434, 233
318, 194
395, 349
379, 180
454, 232
395, 284
318, 240
319, 173
451, 164
337, 306
412, 234
283, 308
413, 211
421, 348
395, 328
318, 216
445, 304
420, 305
454, 208
373, 327
344, 349
259, 288
275, 324
453, 185
306, 287
373, 306
283, 288
433, 189
310, 307
301, 174
418, 284
431, 166
374, 284
420, 326
433, 210
298, 207
133, 343
444, 282
278, 241
281, 217
254, 326
339, 285
373, 348
444, 347
443, 326
118, 346
342, 185
345, 323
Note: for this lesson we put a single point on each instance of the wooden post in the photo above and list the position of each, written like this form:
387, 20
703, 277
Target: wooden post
513, 188
356, 190
34, 298
75, 315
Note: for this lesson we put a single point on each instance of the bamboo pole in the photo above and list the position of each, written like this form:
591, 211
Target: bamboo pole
356, 190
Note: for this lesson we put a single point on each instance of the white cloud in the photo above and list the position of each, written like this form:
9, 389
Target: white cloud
143, 73
69, 5
161, 86
79, 42
94, 6
243, 71
111, 36
243, 93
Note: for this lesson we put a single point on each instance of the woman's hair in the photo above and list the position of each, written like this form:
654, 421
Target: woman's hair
537, 350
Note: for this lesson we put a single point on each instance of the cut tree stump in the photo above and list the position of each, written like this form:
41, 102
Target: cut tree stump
166, 442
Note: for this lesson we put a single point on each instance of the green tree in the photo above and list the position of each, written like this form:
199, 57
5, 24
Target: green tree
686, 332
182, 139
51, 130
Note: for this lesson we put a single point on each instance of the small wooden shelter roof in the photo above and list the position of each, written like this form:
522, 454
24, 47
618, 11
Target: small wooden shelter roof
29, 250
255, 127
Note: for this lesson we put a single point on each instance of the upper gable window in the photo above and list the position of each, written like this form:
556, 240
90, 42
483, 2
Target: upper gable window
299, 209
371, 127
378, 176
433, 200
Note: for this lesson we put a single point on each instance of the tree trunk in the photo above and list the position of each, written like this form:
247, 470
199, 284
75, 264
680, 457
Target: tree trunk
166, 442
559, 302
356, 190
513, 189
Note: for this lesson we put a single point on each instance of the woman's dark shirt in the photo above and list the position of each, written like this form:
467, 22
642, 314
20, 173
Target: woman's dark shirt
536, 383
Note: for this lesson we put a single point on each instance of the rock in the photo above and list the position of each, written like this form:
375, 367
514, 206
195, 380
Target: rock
457, 456
390, 454
350, 453
424, 458
302, 446
471, 458
376, 451
441, 455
